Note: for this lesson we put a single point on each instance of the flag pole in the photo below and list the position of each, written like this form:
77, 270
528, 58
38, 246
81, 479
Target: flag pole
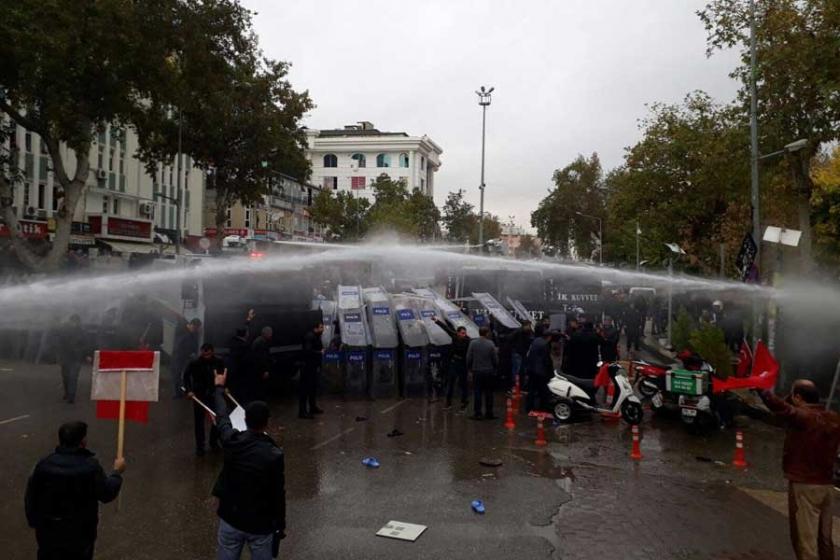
121, 427
230, 396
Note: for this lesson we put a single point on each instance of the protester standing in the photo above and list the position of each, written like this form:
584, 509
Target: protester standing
185, 350
633, 327
457, 367
608, 339
538, 368
71, 353
313, 355
260, 365
582, 350
237, 359
482, 361
251, 487
811, 441
198, 382
63, 495
521, 342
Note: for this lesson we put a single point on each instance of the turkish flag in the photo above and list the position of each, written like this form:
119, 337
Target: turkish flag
765, 372
745, 359
136, 411
603, 377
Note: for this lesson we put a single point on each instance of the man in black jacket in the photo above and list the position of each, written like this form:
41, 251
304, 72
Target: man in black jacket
62, 496
457, 370
198, 382
251, 487
313, 352
72, 351
260, 364
237, 359
186, 345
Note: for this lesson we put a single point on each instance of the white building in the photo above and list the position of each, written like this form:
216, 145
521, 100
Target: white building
351, 158
123, 205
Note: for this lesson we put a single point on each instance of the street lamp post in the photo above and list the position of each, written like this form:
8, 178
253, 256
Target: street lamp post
484, 102
178, 194
600, 236
638, 234
675, 249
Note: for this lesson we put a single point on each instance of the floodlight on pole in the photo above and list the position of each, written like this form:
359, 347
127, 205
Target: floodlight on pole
484, 102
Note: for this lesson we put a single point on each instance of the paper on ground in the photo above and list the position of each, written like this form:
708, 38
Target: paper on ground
237, 419
402, 531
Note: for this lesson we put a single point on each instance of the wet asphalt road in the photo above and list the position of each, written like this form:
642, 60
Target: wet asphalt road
581, 497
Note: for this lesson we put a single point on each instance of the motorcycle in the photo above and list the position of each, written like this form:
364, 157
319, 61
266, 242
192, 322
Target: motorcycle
573, 396
651, 379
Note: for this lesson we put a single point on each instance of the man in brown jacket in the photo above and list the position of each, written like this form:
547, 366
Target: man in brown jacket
813, 435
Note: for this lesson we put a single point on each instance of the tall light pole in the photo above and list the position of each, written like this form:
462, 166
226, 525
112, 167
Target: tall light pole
600, 236
484, 102
754, 192
675, 250
178, 196
638, 234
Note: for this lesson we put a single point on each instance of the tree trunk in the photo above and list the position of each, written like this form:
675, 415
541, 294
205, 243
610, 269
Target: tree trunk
800, 165
73, 190
222, 205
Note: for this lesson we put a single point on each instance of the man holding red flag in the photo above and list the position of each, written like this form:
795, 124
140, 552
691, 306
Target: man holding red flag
811, 441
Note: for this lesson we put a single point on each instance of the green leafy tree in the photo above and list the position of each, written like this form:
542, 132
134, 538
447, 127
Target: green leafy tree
681, 330
457, 217
686, 181
709, 342
425, 214
578, 188
241, 122
66, 70
825, 202
527, 246
798, 76
492, 227
344, 215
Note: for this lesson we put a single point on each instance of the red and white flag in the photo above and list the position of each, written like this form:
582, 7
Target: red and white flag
745, 359
763, 375
142, 369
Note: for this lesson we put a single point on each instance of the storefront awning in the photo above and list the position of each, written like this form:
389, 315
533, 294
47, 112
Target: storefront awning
128, 247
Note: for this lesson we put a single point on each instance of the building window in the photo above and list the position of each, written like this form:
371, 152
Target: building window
330, 160
423, 186
116, 207
331, 183
26, 197
122, 163
403, 160
105, 204
360, 159
42, 190
227, 218
357, 183
55, 198
27, 139
383, 160
247, 217
111, 160
43, 147
422, 162
172, 217
171, 182
100, 158
187, 199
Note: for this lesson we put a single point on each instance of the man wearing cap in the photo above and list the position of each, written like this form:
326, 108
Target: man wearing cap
251, 487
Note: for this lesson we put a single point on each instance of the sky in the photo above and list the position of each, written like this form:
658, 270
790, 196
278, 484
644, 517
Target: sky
571, 77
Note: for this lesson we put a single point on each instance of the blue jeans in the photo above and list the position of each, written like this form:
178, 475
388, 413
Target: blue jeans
232, 540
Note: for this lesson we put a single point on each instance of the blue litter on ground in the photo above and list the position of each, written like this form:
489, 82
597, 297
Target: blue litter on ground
370, 462
478, 506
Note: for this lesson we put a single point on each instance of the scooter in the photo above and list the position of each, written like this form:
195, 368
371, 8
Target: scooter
573, 396
651, 379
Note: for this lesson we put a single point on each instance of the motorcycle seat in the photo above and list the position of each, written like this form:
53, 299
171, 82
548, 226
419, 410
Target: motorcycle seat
587, 385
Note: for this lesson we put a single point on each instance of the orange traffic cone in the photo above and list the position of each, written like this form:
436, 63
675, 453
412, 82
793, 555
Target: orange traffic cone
540, 441
636, 451
509, 421
739, 461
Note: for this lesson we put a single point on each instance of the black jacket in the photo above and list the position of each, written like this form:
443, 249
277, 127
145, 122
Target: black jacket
198, 377
186, 346
521, 341
538, 360
62, 496
251, 487
312, 347
458, 351
582, 354
260, 356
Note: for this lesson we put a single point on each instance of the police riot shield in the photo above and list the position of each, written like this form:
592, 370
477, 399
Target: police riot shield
502, 315
437, 356
332, 374
412, 366
448, 311
355, 339
383, 331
